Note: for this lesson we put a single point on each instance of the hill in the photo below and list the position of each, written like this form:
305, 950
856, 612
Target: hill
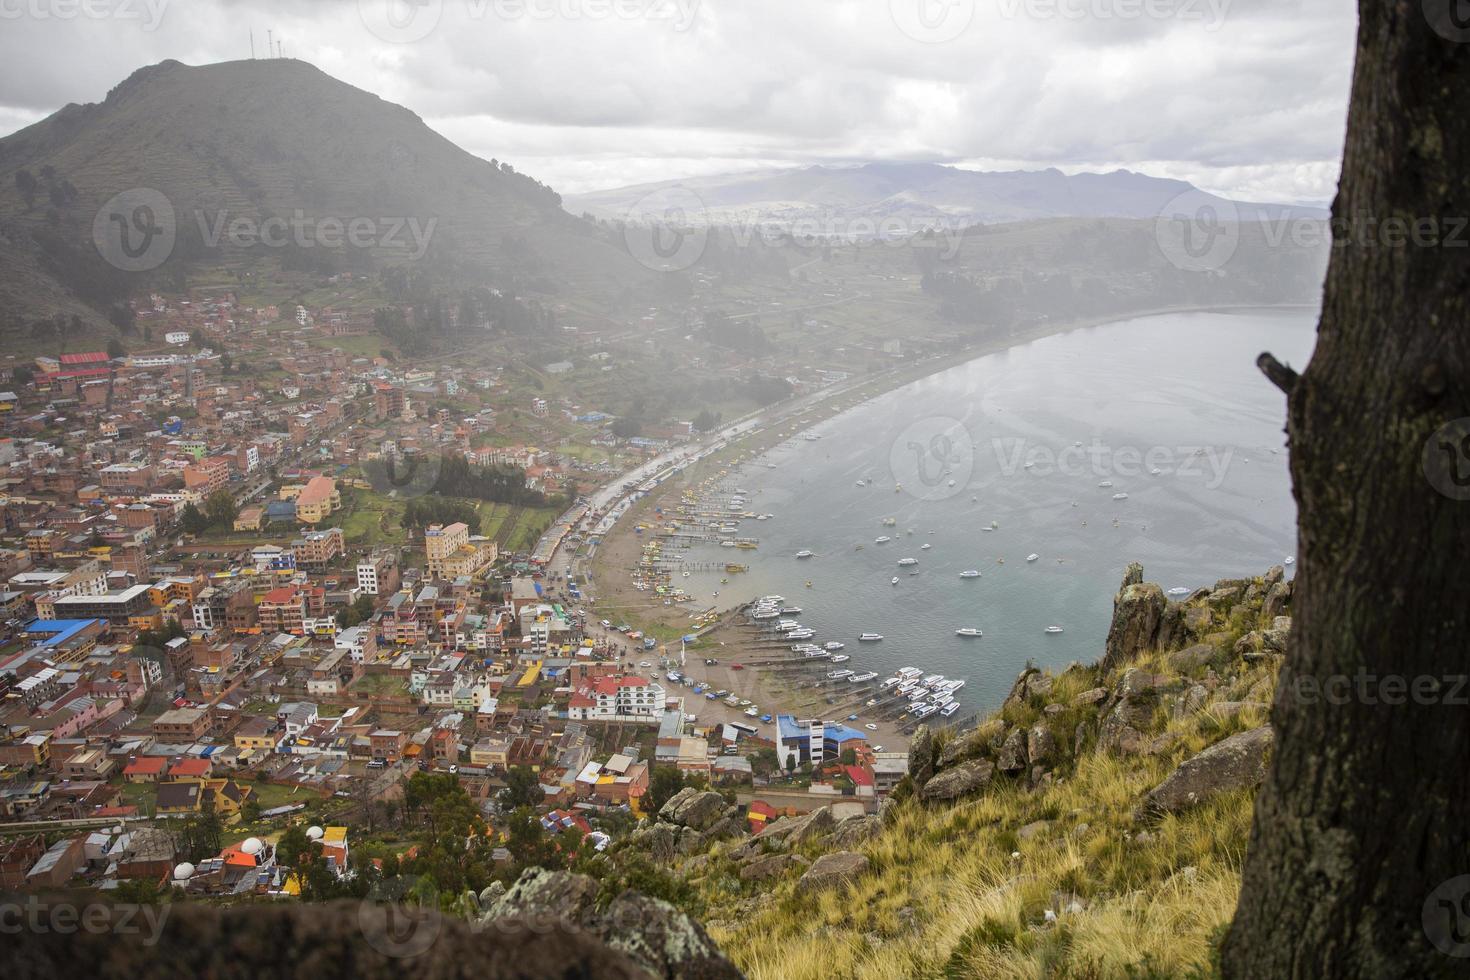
249, 141
914, 194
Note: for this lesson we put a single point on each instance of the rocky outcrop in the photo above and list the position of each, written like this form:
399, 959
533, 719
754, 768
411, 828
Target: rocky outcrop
1192, 659
831, 870
921, 755
1012, 755
651, 933
1129, 712
792, 831
1138, 609
958, 781
695, 808
1237, 762
1276, 600
854, 832
771, 866
1041, 745
346, 941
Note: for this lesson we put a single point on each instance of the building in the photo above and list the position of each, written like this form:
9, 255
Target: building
315, 551
182, 725
388, 744
441, 542
378, 574
117, 606
317, 500
283, 610
630, 698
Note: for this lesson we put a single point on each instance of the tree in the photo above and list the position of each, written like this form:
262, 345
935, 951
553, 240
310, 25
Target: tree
192, 519
115, 349
220, 509
847, 757
665, 782
522, 788
1360, 824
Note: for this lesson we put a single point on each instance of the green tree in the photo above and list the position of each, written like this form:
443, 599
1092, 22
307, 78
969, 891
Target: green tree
522, 788
192, 519
666, 781
848, 757
220, 509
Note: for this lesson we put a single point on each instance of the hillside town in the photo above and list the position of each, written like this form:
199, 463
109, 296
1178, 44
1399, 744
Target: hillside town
229, 603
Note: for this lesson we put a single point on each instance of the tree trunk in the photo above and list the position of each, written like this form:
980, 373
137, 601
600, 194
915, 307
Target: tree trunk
1364, 818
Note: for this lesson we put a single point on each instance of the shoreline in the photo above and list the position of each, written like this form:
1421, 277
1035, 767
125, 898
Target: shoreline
616, 557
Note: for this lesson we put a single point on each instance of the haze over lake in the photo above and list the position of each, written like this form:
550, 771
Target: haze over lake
1176, 393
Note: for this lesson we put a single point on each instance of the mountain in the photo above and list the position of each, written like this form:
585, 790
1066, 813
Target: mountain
914, 194
262, 138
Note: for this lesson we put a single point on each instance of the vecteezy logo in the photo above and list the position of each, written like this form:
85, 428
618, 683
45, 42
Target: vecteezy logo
1446, 459
404, 477
666, 230
932, 458
1197, 232
1450, 19
1446, 917
396, 922
135, 230
932, 21
400, 21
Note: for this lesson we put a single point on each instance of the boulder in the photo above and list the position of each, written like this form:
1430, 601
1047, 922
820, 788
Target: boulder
1171, 626
1191, 659
1019, 689
726, 827
1274, 639
1237, 762
1012, 756
831, 870
921, 755
1248, 644
658, 936
960, 780
1090, 697
1274, 575
1138, 609
542, 894
770, 866
1032, 829
888, 811
1276, 600
1041, 745
811, 826
1039, 685
695, 808
1192, 701
1197, 619
855, 831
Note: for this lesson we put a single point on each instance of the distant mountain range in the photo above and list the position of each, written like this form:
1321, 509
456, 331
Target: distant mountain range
911, 195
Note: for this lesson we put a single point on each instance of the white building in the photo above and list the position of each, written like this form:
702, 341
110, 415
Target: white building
618, 699
177, 337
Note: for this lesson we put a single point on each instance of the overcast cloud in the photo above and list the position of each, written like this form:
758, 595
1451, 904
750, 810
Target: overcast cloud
1243, 97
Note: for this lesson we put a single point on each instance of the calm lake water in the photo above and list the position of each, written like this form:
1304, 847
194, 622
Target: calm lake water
946, 456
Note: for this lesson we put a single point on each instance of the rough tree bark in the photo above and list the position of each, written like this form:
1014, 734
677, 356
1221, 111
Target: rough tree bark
1366, 809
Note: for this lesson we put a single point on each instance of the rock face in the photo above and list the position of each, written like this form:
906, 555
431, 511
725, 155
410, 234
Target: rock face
1041, 745
695, 808
340, 941
1131, 713
1191, 659
965, 778
855, 831
1012, 755
769, 866
921, 755
1138, 609
791, 831
833, 869
1237, 762
651, 933
1276, 599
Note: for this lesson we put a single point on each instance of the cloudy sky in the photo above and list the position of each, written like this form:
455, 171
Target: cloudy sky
1243, 97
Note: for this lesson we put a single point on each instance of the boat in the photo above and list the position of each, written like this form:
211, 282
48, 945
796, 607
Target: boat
1106, 483
905, 562
837, 675
803, 553
802, 634
890, 682
862, 483
1120, 496
889, 521
870, 637
834, 644
1289, 561
791, 610
863, 678
1032, 557
1179, 590
882, 539
894, 580
839, 658
733, 568
968, 631
970, 573
926, 545
950, 708
1054, 629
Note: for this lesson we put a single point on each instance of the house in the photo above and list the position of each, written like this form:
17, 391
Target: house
388, 744
628, 698
257, 732
193, 767
89, 763
181, 725
145, 769
56, 867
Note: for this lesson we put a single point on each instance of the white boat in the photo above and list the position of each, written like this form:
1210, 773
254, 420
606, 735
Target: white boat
840, 658
1289, 561
970, 573
863, 678
801, 634
1180, 590
834, 645
870, 637
837, 675
883, 539
803, 553
926, 545
894, 580
905, 562
1032, 557
1106, 483
968, 631
1120, 496
950, 708
1054, 629
791, 610
862, 483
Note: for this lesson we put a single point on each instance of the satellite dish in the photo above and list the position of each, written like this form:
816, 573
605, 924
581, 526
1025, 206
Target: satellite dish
183, 872
314, 833
252, 845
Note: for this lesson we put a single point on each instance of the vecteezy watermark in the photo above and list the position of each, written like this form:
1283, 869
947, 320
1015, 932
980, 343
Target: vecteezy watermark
135, 231
34, 914
148, 13
1197, 232
1446, 917
1446, 459
1208, 13
666, 230
1450, 19
932, 458
1022, 457
405, 477
406, 233
399, 917
406, 21
814, 229
932, 21
1369, 688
